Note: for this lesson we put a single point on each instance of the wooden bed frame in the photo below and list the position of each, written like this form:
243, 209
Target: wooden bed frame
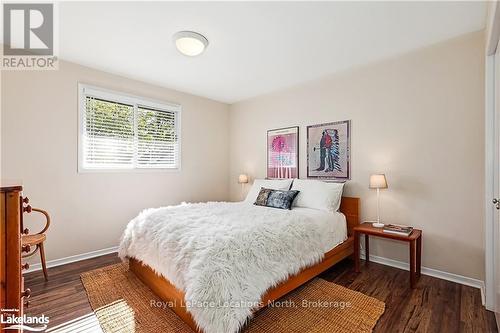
169, 293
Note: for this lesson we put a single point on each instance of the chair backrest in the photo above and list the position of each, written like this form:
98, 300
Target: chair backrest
47, 218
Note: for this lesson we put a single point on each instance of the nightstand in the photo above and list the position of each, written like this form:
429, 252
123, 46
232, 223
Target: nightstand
414, 240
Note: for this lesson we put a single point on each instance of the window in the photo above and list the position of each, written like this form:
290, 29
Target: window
121, 132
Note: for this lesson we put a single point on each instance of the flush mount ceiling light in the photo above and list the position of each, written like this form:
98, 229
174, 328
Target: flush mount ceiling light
190, 43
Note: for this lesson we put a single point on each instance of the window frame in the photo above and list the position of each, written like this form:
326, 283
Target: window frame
136, 101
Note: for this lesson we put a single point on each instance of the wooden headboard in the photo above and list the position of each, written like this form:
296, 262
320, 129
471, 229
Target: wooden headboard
350, 208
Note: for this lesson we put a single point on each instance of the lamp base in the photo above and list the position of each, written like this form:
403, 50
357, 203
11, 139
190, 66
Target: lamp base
378, 225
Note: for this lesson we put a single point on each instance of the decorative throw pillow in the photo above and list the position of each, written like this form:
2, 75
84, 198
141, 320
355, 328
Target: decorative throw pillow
281, 199
262, 197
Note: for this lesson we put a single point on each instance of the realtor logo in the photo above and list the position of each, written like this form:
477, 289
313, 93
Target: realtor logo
28, 35
28, 29
11, 321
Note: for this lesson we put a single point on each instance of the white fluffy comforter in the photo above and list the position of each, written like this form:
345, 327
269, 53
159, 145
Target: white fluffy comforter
224, 256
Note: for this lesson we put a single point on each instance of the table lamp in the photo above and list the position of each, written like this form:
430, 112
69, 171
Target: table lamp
378, 181
242, 179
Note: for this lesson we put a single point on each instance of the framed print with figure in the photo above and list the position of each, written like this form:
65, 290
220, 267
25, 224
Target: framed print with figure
328, 150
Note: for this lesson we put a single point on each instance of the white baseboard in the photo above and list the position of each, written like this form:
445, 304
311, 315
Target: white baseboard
431, 272
67, 260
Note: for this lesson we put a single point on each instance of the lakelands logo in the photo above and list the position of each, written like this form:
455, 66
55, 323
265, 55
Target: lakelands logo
29, 36
26, 323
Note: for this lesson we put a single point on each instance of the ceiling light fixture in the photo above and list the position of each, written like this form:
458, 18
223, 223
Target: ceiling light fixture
190, 43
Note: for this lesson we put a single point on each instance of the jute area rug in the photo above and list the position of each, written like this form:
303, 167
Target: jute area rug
122, 303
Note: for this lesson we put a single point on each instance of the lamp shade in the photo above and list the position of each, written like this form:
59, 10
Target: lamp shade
242, 179
378, 181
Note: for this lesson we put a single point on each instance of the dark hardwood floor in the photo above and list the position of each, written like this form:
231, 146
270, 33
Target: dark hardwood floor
434, 306
63, 298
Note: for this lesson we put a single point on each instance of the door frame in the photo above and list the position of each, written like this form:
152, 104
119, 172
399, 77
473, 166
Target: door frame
492, 149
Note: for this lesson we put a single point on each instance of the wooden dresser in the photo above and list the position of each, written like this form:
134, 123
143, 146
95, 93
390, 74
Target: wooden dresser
12, 292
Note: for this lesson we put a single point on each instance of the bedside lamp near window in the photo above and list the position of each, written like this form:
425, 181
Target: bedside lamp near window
242, 179
378, 181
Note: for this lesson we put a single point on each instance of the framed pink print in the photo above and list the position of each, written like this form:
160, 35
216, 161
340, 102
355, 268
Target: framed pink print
283, 153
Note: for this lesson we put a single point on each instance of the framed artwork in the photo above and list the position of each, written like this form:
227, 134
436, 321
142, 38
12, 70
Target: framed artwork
328, 150
283, 153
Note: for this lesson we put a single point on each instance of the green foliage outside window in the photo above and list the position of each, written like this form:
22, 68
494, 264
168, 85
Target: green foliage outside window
109, 120
114, 120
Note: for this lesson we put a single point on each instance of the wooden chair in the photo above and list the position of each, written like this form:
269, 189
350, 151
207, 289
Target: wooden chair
37, 240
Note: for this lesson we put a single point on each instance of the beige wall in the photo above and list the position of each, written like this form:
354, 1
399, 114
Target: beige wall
90, 210
418, 118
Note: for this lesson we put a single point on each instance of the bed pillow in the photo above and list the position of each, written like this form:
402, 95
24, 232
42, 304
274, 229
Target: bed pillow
262, 197
317, 194
273, 184
281, 199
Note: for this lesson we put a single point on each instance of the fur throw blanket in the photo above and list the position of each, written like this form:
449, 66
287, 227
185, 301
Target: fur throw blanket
224, 256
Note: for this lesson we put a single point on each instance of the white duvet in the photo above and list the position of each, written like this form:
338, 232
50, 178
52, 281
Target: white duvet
224, 256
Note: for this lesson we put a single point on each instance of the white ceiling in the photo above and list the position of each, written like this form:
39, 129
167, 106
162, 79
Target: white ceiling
255, 48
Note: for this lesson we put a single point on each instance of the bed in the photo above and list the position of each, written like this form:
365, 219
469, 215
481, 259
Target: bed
152, 262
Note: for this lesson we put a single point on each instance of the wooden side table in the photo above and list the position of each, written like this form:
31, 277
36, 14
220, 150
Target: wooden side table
414, 240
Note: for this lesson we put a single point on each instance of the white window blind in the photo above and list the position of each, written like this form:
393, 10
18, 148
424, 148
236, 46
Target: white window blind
124, 132
156, 138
